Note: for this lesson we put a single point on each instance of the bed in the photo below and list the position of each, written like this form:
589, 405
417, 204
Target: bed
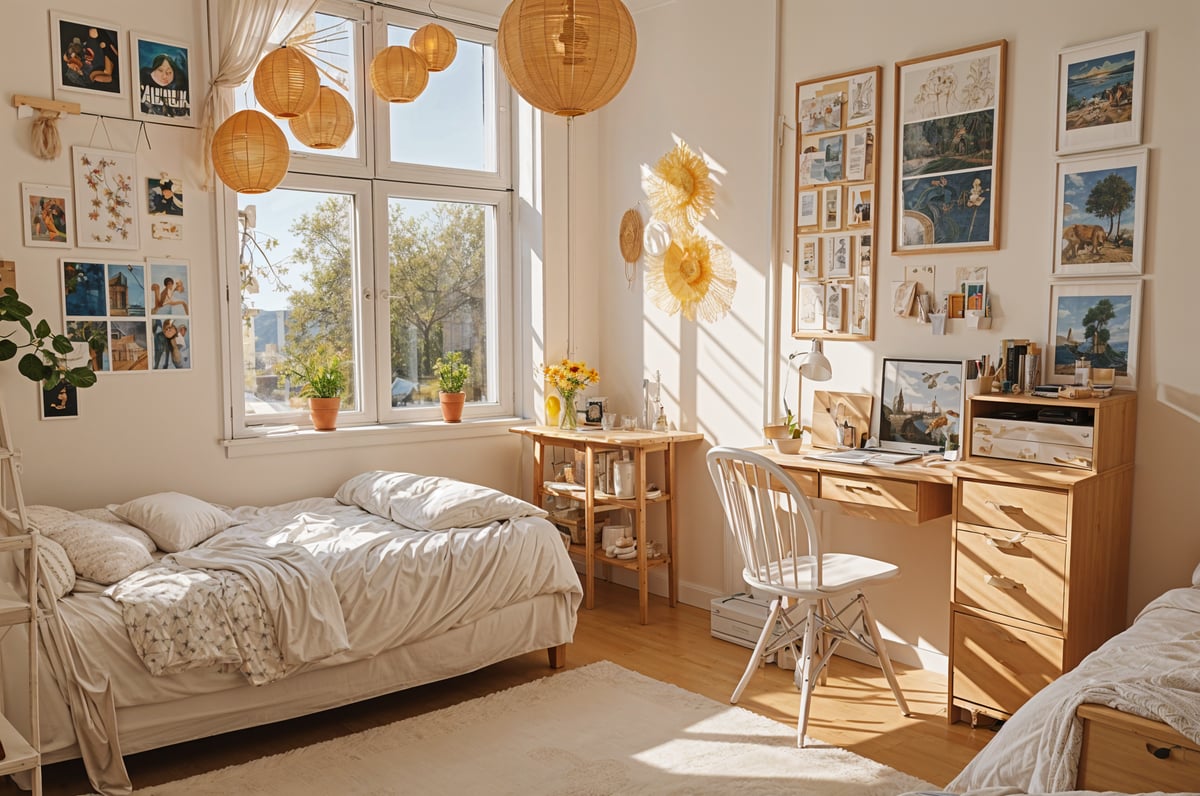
1125, 720
280, 611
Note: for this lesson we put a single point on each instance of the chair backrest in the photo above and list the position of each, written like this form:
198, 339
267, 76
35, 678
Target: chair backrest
770, 518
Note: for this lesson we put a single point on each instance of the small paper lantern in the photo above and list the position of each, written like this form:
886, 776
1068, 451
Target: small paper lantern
286, 83
398, 74
436, 45
250, 152
328, 123
567, 57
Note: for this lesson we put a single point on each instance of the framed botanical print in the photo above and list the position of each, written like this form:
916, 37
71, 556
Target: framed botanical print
949, 136
1101, 94
87, 56
162, 80
1094, 321
47, 212
105, 185
1101, 214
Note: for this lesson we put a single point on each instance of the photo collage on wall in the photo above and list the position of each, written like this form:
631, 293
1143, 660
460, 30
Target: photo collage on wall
128, 317
836, 189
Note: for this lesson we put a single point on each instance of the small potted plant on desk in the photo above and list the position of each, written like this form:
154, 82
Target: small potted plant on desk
324, 381
452, 375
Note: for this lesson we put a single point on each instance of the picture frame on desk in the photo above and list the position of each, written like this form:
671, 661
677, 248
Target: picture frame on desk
920, 403
1098, 321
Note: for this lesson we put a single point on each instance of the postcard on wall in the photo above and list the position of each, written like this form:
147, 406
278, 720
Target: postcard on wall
1100, 94
862, 254
105, 182
859, 204
162, 80
808, 251
835, 299
831, 207
950, 116
87, 57
1101, 214
860, 313
820, 112
807, 212
830, 148
860, 153
810, 306
46, 215
837, 258
861, 102
164, 195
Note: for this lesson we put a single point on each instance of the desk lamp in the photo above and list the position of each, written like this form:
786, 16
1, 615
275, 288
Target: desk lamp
814, 365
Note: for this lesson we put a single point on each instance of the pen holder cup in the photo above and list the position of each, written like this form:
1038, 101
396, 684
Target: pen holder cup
977, 320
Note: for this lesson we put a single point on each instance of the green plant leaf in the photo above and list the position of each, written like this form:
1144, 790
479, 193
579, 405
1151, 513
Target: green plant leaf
8, 349
81, 377
33, 368
43, 329
61, 344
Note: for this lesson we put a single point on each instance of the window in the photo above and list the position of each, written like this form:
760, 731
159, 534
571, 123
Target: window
392, 251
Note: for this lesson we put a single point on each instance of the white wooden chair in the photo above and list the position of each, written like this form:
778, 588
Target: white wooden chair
771, 521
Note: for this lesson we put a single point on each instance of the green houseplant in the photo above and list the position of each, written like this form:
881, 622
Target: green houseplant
46, 362
323, 380
452, 374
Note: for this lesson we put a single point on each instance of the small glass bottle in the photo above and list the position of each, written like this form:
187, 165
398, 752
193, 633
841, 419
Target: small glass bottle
660, 422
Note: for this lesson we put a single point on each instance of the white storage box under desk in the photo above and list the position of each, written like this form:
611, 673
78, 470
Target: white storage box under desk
1031, 441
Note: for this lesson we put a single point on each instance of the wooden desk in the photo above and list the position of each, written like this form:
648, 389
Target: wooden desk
640, 444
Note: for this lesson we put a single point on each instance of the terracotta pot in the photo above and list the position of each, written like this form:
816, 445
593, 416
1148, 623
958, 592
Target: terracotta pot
324, 413
452, 406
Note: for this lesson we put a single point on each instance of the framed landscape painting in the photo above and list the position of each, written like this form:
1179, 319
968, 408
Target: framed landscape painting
949, 136
1101, 214
1097, 322
1100, 94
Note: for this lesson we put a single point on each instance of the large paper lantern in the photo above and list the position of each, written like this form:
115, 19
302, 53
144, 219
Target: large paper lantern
286, 83
435, 44
250, 152
398, 74
567, 57
328, 123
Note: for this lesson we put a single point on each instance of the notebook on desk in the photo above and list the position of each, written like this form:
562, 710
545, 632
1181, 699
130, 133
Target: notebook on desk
865, 456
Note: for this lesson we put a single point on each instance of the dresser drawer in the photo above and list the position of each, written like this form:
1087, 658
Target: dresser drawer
878, 492
1001, 667
1031, 431
1017, 575
1013, 508
1118, 754
1026, 451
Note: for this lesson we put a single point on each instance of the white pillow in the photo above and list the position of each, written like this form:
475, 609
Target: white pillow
95, 551
55, 566
174, 521
1196, 576
119, 526
430, 502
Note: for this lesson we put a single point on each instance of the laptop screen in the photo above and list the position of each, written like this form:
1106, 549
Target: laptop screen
920, 404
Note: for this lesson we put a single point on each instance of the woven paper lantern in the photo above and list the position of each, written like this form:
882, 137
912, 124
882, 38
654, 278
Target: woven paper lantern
328, 123
436, 45
286, 83
250, 152
398, 74
567, 57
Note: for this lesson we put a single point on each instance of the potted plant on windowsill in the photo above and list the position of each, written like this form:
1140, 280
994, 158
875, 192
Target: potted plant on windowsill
323, 378
452, 375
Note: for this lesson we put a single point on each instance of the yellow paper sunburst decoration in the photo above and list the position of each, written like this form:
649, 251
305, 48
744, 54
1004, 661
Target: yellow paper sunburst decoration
680, 187
695, 276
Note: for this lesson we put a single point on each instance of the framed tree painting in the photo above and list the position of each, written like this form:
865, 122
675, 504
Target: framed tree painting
162, 80
836, 183
105, 183
1101, 214
949, 136
87, 56
1097, 322
1100, 94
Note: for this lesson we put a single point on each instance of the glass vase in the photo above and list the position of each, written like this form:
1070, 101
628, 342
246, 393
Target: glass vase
568, 418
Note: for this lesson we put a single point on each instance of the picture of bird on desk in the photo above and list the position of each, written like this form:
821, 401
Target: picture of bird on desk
920, 405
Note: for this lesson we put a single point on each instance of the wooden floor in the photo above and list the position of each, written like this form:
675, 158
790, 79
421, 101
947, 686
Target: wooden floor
854, 709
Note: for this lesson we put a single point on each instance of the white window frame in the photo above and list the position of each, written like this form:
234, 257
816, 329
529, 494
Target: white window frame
369, 177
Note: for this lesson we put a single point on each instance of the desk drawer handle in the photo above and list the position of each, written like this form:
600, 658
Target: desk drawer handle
1161, 752
991, 504
1001, 582
863, 488
1006, 544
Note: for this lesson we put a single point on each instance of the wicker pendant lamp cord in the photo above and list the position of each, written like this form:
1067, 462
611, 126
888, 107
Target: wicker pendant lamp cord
570, 245
432, 14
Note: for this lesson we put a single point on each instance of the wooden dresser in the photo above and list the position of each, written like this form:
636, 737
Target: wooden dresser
1041, 544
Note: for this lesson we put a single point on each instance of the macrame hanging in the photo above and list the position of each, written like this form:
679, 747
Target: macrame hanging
631, 242
695, 275
46, 143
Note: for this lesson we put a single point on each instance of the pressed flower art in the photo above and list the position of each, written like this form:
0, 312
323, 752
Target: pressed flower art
105, 204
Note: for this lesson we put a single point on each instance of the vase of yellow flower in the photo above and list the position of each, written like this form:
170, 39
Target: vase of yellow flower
568, 378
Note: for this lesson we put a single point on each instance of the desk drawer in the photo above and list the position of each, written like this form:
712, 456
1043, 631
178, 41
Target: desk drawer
1118, 755
806, 480
1001, 667
1026, 451
886, 493
1013, 508
1022, 577
1031, 431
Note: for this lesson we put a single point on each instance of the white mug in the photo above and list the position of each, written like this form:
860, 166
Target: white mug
623, 484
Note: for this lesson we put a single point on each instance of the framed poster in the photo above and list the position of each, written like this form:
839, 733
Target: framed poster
87, 56
162, 80
105, 201
1101, 214
60, 401
46, 214
1097, 322
949, 136
836, 187
1101, 94
920, 403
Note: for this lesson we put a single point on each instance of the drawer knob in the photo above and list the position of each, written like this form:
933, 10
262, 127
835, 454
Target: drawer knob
991, 504
863, 488
1006, 544
1001, 582
1161, 752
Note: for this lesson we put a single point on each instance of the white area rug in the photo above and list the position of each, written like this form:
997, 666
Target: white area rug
599, 729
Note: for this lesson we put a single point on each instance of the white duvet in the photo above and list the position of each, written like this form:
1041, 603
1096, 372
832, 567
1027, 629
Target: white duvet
1152, 669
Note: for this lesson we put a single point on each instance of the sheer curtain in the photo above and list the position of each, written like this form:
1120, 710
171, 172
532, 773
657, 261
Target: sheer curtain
245, 28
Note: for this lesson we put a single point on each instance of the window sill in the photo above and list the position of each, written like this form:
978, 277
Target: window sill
305, 439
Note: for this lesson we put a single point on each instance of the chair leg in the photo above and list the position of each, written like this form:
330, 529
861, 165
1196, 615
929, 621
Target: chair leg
757, 655
881, 652
804, 667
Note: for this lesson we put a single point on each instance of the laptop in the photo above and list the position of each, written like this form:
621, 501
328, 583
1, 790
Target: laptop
866, 456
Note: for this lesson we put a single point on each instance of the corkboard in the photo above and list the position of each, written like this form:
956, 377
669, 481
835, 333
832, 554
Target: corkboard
855, 410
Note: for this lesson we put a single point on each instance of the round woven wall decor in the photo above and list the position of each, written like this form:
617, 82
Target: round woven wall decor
631, 235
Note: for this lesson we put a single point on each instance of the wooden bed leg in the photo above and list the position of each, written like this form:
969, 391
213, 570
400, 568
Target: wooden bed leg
558, 656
